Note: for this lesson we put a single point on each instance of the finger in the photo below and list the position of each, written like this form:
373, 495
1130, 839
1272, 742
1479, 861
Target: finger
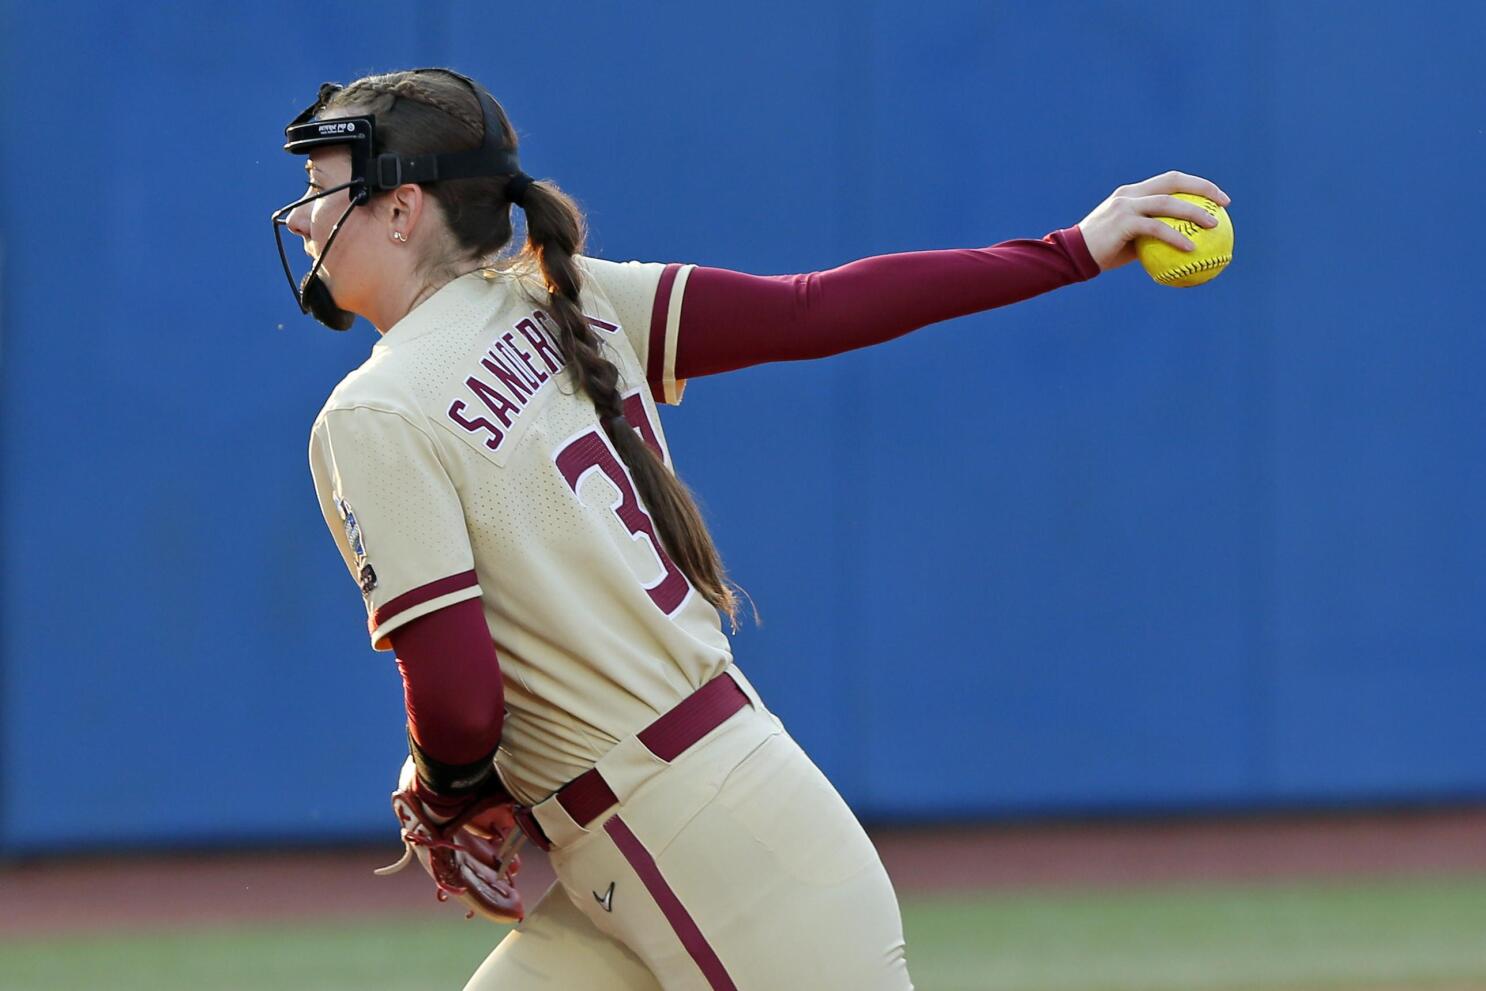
1206, 187
1170, 206
1164, 232
1181, 182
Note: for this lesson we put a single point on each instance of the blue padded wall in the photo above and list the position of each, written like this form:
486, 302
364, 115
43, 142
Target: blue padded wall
1118, 548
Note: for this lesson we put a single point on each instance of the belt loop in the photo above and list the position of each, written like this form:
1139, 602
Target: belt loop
732, 671
555, 824
531, 827
627, 766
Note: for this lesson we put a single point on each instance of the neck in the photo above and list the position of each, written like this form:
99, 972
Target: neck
396, 302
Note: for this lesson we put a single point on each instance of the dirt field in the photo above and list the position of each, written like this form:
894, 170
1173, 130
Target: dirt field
45, 897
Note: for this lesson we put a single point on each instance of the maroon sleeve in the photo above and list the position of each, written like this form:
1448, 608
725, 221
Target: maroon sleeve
730, 320
451, 683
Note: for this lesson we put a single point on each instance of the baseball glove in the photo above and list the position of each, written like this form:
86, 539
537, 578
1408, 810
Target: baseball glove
472, 856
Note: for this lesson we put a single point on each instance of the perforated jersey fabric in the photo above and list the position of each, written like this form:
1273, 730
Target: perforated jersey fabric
459, 461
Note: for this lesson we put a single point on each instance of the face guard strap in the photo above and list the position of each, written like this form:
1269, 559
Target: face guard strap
490, 159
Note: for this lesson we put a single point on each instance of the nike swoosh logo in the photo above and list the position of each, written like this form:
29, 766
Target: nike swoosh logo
606, 900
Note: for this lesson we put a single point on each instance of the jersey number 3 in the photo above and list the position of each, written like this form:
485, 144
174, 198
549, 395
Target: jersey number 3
589, 452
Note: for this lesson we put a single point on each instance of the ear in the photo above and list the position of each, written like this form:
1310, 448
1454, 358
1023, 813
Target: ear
405, 207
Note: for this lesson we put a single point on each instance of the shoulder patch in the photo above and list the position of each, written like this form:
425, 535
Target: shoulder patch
366, 576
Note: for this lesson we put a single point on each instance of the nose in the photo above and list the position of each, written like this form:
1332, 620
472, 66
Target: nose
299, 220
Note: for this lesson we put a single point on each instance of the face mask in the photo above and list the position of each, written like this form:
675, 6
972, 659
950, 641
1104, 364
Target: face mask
375, 171
311, 292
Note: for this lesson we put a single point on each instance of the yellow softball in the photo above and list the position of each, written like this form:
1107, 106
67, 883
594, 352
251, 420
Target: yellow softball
1173, 267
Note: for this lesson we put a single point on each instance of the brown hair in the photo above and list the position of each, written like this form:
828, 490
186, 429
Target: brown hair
424, 112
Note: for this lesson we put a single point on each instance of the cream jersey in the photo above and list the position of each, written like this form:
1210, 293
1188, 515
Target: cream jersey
460, 461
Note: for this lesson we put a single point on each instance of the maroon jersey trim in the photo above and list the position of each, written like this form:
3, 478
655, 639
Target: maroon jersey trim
423, 593
655, 361
670, 905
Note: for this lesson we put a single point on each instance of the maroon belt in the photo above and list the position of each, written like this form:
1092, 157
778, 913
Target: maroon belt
588, 796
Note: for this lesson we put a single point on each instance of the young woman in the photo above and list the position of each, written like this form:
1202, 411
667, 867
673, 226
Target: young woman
499, 485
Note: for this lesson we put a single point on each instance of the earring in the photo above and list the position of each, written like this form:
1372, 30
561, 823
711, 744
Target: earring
399, 236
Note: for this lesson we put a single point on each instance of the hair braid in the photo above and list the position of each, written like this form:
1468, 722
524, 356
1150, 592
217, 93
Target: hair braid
378, 94
555, 234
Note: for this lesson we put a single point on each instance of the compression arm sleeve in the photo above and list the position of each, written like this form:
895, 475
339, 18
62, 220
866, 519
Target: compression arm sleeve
730, 320
452, 687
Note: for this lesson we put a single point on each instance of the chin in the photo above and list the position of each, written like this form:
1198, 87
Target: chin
344, 298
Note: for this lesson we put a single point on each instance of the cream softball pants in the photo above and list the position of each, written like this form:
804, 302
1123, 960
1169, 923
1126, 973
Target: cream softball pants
737, 866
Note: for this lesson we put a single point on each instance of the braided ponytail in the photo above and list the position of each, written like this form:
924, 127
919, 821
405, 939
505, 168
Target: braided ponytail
425, 112
554, 234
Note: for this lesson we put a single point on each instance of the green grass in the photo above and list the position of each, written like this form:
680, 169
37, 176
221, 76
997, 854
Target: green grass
1416, 934
1428, 934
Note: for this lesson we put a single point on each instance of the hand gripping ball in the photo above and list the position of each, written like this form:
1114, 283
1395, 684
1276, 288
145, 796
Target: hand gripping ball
1173, 267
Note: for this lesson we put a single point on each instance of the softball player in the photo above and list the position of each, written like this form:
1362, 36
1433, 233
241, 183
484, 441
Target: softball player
498, 483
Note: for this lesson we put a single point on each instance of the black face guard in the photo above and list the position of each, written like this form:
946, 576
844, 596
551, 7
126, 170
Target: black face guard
374, 171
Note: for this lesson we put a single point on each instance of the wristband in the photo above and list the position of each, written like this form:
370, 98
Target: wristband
451, 779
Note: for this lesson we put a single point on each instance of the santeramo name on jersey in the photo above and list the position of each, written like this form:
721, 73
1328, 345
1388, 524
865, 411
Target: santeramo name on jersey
515, 373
